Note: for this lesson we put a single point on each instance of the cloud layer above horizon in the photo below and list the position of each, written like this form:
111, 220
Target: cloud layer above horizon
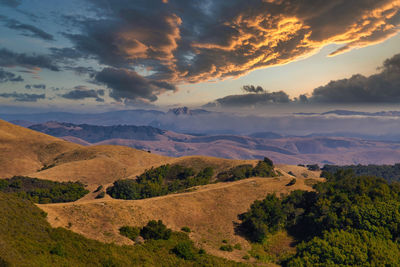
147, 47
383, 87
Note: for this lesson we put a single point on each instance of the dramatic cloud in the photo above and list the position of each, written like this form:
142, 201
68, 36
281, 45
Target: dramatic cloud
82, 92
35, 86
383, 87
12, 59
26, 29
182, 41
251, 100
6, 76
21, 97
127, 84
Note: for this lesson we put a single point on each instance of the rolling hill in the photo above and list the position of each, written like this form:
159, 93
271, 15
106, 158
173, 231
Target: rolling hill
210, 211
281, 149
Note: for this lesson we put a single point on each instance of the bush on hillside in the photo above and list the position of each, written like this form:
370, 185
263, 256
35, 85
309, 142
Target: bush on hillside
155, 230
43, 191
184, 250
264, 168
130, 232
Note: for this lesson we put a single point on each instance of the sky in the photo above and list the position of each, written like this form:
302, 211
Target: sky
97, 55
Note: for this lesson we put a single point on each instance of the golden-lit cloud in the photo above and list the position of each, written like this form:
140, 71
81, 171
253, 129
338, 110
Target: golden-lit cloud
181, 41
278, 32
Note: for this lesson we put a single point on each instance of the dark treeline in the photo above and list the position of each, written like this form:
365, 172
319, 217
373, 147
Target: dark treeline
168, 179
348, 220
43, 191
160, 181
388, 172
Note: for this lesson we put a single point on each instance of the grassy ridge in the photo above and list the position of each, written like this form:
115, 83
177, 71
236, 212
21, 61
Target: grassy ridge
26, 239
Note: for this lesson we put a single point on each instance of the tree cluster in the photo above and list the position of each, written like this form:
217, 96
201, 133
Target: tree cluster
43, 191
348, 220
160, 181
388, 172
264, 168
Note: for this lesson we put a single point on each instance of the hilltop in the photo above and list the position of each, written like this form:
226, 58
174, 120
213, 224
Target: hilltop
281, 149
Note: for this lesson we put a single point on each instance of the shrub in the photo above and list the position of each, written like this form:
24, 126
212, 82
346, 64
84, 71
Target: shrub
292, 182
228, 248
130, 232
186, 229
237, 246
264, 169
264, 217
101, 195
313, 167
58, 250
246, 257
100, 187
155, 230
184, 250
268, 161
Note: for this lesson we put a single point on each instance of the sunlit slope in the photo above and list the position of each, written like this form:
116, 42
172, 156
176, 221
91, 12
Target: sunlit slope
27, 152
209, 211
23, 151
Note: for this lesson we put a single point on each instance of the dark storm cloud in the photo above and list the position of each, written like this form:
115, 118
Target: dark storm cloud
248, 100
383, 87
22, 97
35, 86
82, 92
10, 3
127, 84
195, 41
12, 59
6, 76
26, 29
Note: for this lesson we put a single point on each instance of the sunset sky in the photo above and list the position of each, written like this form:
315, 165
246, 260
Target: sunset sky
126, 54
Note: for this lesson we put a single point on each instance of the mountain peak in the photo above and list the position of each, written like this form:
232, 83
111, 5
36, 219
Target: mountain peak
186, 111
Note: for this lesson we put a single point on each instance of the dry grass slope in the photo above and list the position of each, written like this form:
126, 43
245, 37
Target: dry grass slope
210, 211
23, 151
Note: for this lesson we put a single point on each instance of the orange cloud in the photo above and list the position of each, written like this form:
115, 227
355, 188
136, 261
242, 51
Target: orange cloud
262, 38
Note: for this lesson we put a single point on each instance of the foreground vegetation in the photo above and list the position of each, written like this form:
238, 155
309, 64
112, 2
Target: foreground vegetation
26, 239
43, 191
390, 173
168, 179
348, 220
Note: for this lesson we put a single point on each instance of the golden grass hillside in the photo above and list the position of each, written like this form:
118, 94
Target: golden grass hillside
209, 211
23, 151
30, 153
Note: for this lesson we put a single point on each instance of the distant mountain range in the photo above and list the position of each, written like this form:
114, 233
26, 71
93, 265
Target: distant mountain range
356, 113
282, 149
378, 126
